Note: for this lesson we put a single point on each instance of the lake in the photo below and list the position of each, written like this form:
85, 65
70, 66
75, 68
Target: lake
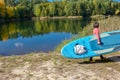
23, 37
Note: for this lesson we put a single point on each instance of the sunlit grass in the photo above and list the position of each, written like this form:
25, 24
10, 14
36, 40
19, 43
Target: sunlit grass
109, 24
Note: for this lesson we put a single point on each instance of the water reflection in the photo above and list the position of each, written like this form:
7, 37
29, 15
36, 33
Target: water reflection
34, 36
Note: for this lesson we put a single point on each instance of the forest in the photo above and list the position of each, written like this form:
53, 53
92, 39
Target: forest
20, 9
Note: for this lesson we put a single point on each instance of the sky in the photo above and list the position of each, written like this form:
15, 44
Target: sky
114, 0
50, 0
117, 0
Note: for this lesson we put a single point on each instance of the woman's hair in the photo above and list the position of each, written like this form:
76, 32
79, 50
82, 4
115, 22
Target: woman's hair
96, 25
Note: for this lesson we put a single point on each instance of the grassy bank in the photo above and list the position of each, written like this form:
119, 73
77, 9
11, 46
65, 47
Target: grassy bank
108, 24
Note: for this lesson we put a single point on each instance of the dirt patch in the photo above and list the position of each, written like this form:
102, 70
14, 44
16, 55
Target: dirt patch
53, 66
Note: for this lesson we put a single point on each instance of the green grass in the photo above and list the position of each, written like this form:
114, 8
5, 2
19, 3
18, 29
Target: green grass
109, 24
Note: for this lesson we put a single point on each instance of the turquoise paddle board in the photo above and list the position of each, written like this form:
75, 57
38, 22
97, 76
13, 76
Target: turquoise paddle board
111, 43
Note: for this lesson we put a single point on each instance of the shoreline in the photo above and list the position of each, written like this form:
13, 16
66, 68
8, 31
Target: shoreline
41, 18
55, 17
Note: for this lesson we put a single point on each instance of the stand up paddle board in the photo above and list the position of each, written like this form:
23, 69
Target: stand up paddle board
111, 43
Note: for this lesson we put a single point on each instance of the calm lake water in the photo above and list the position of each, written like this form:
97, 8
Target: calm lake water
17, 38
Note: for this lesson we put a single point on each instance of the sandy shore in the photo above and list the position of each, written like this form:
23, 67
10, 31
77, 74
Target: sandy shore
52, 66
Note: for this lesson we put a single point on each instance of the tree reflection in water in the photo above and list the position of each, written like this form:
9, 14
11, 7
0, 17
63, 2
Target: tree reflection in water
18, 38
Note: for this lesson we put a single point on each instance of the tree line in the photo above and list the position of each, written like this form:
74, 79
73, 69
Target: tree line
42, 8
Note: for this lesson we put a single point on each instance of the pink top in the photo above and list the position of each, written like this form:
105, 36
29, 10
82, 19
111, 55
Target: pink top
96, 33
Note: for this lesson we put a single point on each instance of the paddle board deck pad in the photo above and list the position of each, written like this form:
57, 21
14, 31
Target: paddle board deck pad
111, 43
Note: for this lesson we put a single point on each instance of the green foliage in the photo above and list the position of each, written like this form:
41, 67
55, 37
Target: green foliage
37, 10
70, 9
40, 8
2, 9
52, 9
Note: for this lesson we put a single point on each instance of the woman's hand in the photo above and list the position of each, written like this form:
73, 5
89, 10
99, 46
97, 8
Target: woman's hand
100, 43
